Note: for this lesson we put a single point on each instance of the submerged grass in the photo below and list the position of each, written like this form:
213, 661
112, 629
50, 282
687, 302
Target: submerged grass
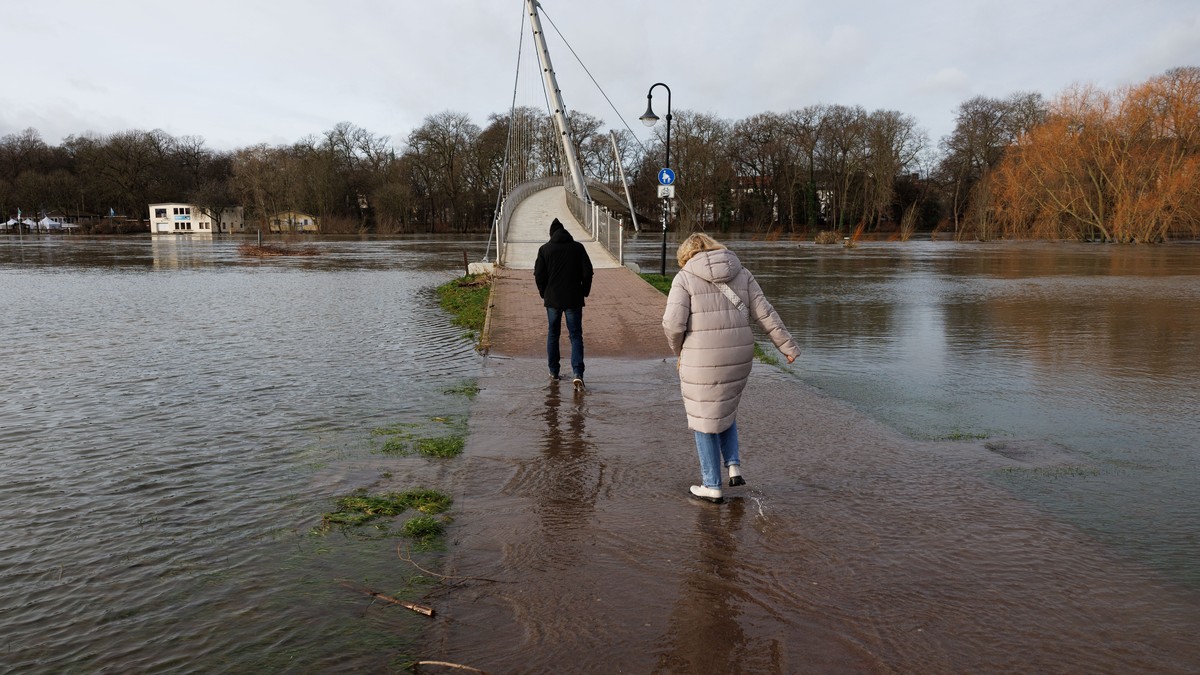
764, 357
395, 429
412, 437
441, 446
423, 528
466, 298
361, 507
962, 436
468, 389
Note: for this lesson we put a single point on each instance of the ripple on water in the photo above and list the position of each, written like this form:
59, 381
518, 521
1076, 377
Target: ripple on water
161, 446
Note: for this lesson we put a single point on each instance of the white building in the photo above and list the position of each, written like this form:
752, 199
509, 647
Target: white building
191, 219
293, 221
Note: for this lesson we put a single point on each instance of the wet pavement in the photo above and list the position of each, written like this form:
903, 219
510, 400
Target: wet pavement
622, 318
851, 549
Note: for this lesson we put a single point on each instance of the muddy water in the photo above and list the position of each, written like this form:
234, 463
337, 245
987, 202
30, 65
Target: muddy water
1082, 355
985, 463
174, 420
851, 549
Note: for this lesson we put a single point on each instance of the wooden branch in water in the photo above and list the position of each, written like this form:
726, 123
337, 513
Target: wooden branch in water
447, 664
419, 609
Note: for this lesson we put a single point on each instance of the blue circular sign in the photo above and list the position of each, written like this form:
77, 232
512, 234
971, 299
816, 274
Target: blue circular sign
666, 177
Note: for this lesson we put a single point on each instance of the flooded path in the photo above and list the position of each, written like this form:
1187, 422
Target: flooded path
176, 418
853, 548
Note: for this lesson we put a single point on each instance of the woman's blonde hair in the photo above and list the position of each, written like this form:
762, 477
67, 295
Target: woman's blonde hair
694, 244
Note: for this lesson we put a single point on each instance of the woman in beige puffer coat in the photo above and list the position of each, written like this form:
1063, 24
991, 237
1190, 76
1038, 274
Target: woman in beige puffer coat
711, 335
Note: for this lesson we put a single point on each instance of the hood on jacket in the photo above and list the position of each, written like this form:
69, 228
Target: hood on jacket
719, 265
559, 235
555, 226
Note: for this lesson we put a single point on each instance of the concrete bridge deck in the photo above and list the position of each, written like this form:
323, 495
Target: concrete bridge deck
529, 228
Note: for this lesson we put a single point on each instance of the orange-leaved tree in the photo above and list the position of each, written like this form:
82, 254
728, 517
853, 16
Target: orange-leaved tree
1121, 166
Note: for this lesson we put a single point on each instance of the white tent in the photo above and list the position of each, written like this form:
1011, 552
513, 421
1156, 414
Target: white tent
48, 224
9, 223
29, 223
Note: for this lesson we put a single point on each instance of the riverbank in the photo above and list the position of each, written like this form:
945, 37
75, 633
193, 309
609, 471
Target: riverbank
852, 548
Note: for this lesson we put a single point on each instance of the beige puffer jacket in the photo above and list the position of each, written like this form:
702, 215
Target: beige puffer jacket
715, 345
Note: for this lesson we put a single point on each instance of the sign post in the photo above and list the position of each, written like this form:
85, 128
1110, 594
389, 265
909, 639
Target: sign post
666, 192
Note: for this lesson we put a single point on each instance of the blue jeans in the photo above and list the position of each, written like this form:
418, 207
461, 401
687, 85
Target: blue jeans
713, 449
574, 332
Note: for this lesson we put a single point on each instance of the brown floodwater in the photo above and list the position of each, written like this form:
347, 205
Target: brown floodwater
985, 461
853, 548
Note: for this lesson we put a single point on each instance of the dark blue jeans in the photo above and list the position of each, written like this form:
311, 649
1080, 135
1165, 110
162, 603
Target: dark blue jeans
574, 332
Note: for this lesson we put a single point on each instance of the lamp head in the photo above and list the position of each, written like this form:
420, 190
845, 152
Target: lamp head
649, 118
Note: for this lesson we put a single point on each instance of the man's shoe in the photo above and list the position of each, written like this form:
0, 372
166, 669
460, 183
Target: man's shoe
707, 494
554, 376
735, 476
578, 382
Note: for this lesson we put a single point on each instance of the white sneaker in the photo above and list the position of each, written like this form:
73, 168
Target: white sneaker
735, 476
707, 494
578, 383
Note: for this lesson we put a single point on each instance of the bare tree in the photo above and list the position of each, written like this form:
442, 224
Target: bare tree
893, 144
441, 149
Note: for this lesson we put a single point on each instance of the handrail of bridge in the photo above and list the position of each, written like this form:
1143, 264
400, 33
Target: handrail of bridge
601, 224
603, 227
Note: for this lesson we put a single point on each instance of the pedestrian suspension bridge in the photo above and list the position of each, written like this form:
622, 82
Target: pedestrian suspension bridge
536, 190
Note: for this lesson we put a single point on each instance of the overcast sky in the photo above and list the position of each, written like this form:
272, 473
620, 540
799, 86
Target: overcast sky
241, 72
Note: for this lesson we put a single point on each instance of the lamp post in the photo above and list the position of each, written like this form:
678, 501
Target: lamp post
650, 119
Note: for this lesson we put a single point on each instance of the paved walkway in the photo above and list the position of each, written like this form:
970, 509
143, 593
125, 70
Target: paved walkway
623, 316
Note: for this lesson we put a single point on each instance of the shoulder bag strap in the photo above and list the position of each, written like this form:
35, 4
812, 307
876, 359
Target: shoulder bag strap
733, 297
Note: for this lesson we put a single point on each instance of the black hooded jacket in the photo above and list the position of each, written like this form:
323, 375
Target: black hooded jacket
563, 270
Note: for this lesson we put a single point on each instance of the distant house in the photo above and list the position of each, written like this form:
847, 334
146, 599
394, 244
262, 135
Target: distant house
73, 220
232, 220
292, 221
178, 218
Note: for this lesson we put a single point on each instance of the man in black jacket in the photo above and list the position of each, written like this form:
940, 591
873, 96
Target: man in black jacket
563, 273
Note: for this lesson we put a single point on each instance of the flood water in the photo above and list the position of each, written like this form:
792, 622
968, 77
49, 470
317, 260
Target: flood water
174, 419
1084, 355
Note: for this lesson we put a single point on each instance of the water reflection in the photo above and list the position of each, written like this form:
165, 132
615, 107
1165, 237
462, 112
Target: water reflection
1090, 348
705, 634
568, 478
173, 421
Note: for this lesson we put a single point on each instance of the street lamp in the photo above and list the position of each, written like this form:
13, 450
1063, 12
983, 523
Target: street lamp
650, 119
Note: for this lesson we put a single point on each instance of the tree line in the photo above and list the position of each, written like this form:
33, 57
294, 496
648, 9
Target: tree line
1111, 165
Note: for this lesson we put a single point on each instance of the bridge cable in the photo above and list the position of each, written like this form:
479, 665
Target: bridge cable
507, 143
598, 87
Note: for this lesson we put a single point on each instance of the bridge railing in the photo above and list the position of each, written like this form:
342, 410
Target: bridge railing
601, 224
605, 228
